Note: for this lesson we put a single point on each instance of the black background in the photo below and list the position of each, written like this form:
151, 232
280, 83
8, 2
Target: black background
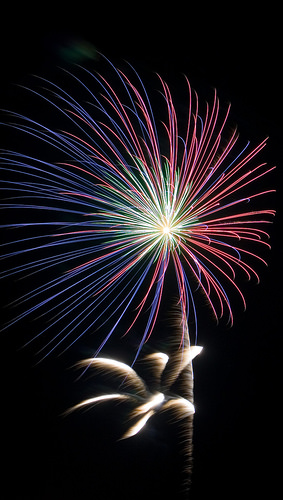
237, 430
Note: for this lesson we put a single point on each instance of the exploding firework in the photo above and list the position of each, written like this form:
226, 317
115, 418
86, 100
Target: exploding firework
132, 196
153, 395
147, 403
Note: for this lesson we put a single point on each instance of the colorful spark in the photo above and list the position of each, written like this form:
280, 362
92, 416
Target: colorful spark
130, 196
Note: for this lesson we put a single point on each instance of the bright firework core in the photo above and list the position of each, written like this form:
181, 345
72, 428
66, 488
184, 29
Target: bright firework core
166, 229
169, 232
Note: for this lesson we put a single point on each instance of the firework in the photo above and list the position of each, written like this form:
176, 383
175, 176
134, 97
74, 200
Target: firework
135, 390
132, 194
166, 388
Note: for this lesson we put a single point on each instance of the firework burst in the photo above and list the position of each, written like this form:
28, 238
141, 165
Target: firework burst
146, 403
131, 195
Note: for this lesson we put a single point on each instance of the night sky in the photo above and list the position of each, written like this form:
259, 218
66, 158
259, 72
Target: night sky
238, 381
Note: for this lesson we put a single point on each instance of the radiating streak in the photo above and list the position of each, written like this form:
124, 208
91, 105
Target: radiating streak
138, 425
182, 408
98, 399
153, 402
109, 365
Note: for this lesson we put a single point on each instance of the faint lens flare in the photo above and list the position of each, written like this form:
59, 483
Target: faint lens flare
136, 391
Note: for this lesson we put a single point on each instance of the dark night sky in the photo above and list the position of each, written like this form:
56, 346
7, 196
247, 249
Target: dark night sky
238, 377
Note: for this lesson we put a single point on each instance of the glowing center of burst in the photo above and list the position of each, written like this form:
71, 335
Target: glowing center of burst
166, 229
